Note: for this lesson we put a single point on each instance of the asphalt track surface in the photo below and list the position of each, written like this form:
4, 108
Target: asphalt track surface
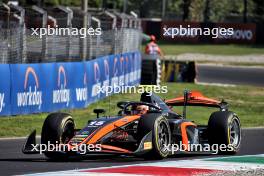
241, 75
13, 161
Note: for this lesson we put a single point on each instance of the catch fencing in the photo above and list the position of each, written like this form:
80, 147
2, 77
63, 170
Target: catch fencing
120, 33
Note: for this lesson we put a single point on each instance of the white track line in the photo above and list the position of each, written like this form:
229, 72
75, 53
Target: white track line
16, 138
230, 66
215, 84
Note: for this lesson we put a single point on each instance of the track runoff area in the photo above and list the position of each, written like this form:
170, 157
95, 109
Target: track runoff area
248, 161
232, 165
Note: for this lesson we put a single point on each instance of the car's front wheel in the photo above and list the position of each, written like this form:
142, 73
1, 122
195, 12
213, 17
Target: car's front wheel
58, 128
161, 139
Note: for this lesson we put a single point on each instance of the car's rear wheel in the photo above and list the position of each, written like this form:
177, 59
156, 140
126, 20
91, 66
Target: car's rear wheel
58, 128
224, 128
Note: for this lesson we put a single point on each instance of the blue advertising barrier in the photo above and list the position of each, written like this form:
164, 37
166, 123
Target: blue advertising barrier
5, 85
48, 87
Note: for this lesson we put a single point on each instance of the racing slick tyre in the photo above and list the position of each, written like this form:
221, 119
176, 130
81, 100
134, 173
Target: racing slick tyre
224, 128
58, 128
161, 138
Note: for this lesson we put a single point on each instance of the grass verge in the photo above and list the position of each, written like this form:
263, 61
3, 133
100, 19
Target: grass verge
225, 49
246, 101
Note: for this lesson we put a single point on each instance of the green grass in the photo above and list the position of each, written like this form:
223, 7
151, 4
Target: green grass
248, 64
225, 49
246, 101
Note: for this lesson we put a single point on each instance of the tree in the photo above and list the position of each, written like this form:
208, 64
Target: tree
209, 10
219, 10
196, 10
258, 10
186, 9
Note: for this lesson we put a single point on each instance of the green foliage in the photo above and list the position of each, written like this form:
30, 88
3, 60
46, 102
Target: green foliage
193, 10
174, 6
216, 10
236, 6
94, 3
219, 10
258, 9
51, 2
196, 10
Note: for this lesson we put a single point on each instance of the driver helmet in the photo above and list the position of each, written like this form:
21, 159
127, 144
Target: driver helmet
139, 109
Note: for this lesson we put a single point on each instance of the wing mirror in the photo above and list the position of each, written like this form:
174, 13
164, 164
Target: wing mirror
98, 111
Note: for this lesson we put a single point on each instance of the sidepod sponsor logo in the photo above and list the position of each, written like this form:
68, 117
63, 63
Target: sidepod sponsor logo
61, 95
31, 96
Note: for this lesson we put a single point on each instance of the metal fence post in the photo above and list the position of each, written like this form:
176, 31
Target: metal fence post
69, 23
43, 25
114, 29
83, 41
8, 35
89, 41
22, 39
98, 37
69, 13
137, 26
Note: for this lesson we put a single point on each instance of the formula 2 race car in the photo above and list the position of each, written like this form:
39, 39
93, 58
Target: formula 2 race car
142, 128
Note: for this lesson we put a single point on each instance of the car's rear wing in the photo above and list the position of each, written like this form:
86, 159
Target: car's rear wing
196, 98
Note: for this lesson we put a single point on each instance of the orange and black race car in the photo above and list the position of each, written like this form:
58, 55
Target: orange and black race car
147, 128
